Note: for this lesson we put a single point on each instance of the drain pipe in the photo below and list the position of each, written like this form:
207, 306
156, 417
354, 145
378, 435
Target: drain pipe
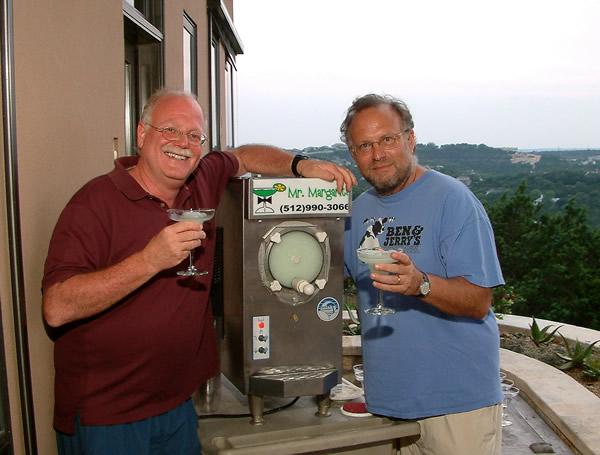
14, 227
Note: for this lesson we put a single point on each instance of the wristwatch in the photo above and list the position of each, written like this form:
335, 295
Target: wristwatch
425, 286
295, 161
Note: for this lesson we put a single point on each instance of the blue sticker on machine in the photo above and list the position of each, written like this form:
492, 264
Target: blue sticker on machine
328, 309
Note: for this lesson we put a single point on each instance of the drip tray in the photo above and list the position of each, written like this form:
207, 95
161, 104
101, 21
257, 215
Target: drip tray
293, 381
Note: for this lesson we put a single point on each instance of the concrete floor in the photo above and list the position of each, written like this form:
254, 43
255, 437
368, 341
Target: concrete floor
528, 428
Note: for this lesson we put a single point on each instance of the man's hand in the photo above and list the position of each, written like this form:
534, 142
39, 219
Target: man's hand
173, 244
329, 171
403, 276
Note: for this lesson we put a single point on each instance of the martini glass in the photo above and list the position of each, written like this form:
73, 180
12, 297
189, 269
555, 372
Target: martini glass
509, 393
359, 373
372, 257
197, 216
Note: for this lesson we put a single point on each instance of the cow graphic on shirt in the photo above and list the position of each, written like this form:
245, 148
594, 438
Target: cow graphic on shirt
375, 226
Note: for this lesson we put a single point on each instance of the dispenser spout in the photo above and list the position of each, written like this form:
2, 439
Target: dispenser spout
302, 286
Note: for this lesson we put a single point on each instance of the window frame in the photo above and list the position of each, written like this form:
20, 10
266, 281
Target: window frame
215, 93
224, 44
230, 102
190, 27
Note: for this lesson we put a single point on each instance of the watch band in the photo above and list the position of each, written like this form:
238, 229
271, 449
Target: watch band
295, 161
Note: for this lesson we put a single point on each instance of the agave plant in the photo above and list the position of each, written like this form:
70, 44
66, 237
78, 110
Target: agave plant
576, 356
542, 336
591, 368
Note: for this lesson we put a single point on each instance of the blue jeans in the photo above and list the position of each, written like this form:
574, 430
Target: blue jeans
173, 433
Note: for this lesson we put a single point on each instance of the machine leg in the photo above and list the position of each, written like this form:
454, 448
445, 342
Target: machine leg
323, 403
257, 407
206, 395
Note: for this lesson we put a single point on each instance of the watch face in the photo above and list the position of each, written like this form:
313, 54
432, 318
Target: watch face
424, 288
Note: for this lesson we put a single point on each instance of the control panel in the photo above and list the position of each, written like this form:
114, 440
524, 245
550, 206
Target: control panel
260, 337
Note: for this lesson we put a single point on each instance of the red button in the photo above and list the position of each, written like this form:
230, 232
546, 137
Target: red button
261, 325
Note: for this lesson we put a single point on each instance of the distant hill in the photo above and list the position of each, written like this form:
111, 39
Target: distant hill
552, 176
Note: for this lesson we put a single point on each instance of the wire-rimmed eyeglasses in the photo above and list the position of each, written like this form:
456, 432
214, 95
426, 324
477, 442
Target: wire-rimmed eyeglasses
173, 134
387, 142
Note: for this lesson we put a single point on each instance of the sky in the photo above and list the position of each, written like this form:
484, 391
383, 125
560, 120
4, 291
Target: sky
505, 73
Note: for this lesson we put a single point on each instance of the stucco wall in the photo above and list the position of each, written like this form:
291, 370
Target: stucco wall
69, 106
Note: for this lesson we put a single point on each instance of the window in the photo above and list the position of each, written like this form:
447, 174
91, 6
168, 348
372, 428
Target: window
215, 111
230, 94
143, 69
190, 64
151, 10
225, 45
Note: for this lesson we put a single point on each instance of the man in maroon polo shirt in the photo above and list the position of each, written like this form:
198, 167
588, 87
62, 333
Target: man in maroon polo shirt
132, 339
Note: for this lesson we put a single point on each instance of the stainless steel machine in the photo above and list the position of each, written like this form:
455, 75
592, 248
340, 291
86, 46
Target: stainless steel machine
278, 288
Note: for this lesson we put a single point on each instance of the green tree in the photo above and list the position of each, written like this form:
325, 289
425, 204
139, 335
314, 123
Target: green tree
563, 283
549, 259
515, 220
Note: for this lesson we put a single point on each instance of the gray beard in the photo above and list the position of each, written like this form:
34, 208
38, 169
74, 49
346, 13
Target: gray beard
395, 183
386, 188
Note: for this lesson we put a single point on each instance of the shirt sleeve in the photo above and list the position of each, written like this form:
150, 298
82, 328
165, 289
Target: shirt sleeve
75, 246
469, 248
214, 172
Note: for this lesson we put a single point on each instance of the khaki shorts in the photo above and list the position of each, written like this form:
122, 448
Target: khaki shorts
477, 432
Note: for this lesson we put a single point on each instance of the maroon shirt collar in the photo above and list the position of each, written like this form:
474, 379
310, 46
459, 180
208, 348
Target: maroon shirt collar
127, 185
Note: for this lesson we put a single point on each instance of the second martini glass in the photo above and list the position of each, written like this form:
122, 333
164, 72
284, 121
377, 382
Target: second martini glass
197, 216
372, 257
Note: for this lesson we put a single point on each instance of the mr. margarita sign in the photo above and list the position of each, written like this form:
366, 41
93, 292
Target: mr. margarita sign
297, 196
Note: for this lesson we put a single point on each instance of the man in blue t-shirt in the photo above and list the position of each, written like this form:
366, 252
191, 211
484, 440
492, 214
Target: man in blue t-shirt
436, 358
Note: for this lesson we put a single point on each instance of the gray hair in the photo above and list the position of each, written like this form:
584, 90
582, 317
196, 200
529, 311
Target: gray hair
157, 96
373, 100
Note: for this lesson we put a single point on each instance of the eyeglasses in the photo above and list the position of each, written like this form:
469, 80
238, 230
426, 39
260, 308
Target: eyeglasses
387, 142
173, 134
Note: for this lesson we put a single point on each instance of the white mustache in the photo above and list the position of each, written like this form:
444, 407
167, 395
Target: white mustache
177, 150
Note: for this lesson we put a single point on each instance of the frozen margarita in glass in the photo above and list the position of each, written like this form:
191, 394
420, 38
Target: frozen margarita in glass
372, 257
197, 216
